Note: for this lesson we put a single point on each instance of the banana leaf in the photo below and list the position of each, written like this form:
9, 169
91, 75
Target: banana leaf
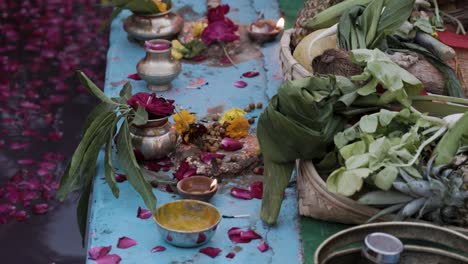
299, 122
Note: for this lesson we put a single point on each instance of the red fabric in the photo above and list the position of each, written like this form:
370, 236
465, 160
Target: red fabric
453, 40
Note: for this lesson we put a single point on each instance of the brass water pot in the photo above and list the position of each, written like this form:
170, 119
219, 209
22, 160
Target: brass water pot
164, 25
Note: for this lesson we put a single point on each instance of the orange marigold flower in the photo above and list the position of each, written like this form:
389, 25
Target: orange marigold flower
183, 120
161, 6
238, 128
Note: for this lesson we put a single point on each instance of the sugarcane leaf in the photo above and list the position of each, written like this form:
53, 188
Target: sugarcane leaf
93, 89
384, 198
129, 164
368, 123
385, 178
141, 116
386, 211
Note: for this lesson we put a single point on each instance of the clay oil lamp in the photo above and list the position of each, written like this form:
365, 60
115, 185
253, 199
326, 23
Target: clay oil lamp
265, 30
200, 188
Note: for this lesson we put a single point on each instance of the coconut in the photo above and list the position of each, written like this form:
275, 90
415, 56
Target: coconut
305, 56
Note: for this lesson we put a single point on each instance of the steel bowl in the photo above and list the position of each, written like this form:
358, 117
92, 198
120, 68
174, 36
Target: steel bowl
187, 223
197, 188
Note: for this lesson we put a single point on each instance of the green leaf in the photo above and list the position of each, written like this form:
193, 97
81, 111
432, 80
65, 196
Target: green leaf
94, 89
82, 208
423, 24
141, 116
395, 13
369, 20
355, 148
385, 178
369, 87
384, 198
108, 164
101, 108
357, 161
194, 48
340, 140
347, 182
126, 91
368, 123
385, 117
130, 166
93, 139
386, 211
448, 146
115, 13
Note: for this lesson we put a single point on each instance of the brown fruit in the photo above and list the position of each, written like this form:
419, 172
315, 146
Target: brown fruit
259, 105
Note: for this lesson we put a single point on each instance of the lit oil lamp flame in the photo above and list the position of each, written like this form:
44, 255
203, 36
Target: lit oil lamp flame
213, 184
280, 23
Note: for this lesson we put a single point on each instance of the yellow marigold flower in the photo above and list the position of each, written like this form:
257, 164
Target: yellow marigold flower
161, 6
198, 29
435, 34
231, 114
238, 128
183, 120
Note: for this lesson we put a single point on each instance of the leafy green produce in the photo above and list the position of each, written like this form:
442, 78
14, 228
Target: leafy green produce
363, 27
452, 141
380, 144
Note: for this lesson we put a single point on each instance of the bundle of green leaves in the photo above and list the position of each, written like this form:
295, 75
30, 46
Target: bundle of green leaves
102, 130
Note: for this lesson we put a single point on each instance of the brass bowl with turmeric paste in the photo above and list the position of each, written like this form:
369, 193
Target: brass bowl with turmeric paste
187, 223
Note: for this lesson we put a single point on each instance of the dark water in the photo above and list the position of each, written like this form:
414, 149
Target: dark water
42, 109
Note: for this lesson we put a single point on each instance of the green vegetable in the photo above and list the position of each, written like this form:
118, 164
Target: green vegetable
367, 27
398, 82
423, 24
452, 84
448, 146
442, 51
331, 15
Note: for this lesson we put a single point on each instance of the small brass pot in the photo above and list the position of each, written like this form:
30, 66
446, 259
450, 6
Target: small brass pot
154, 140
158, 68
164, 25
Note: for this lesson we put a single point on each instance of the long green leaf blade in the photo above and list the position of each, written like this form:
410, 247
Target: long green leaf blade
130, 166
108, 165
91, 86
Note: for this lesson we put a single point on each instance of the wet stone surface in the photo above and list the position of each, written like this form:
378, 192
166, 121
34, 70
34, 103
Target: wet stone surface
41, 45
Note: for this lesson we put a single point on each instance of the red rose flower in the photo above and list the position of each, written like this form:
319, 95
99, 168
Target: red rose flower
217, 14
157, 107
220, 31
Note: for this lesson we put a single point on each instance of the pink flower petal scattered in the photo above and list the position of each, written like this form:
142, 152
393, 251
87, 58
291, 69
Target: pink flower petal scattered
169, 237
250, 74
256, 189
134, 76
6, 208
20, 215
97, 252
126, 242
169, 188
237, 235
55, 135
109, 259
3, 220
143, 213
231, 254
250, 234
199, 58
240, 84
184, 171
207, 157
230, 144
120, 177
263, 247
26, 161
40, 208
241, 193
158, 249
210, 251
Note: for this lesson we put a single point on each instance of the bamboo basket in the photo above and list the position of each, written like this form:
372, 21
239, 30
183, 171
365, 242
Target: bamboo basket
292, 69
315, 201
